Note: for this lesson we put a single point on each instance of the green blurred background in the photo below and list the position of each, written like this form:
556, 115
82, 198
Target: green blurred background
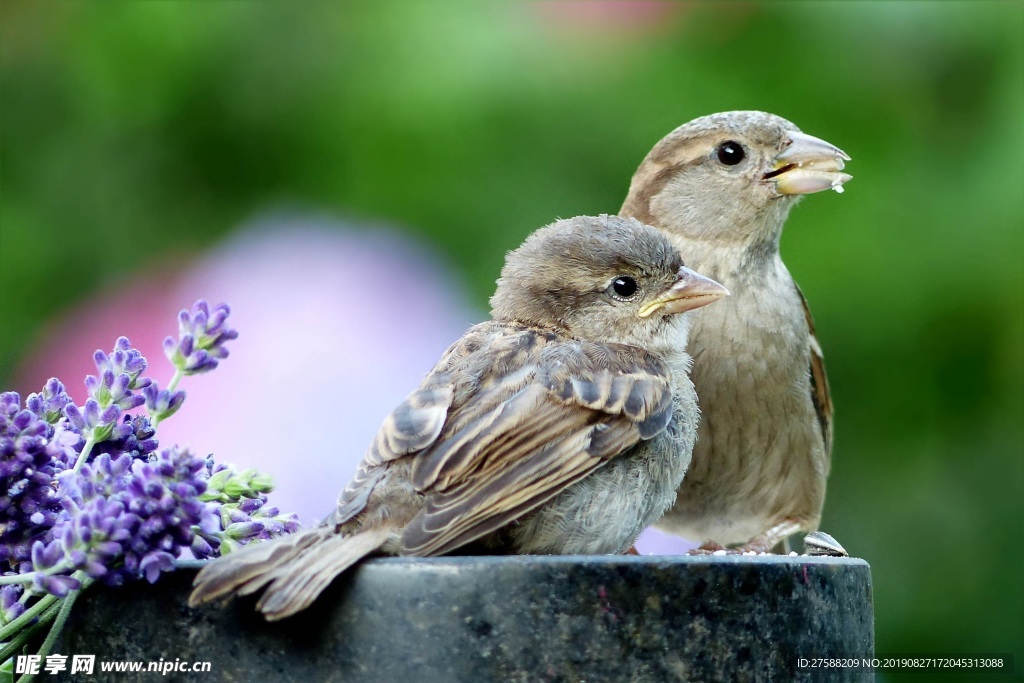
132, 132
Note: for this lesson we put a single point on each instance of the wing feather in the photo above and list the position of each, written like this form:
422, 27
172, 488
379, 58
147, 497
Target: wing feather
414, 425
584, 404
820, 395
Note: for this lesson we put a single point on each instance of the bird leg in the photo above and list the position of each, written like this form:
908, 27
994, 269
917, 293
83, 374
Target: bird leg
774, 538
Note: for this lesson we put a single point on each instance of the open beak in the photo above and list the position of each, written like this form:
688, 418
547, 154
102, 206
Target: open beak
808, 164
692, 290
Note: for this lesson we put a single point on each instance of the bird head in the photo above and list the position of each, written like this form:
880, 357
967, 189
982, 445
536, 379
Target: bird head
732, 177
602, 279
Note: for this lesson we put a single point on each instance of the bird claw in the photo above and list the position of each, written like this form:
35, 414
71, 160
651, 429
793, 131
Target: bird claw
758, 545
712, 548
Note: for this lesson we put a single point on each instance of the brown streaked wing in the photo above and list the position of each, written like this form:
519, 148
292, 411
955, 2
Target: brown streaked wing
414, 425
417, 422
585, 404
820, 396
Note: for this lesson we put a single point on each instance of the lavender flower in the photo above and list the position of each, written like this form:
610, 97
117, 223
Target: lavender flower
166, 495
202, 334
118, 374
50, 402
244, 516
29, 461
123, 516
110, 389
229, 486
48, 563
111, 393
162, 403
123, 360
85, 496
138, 443
10, 603
96, 424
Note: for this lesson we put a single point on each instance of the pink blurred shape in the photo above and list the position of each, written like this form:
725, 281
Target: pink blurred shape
654, 542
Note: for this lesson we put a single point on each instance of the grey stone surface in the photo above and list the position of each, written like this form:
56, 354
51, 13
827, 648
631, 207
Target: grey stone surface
479, 619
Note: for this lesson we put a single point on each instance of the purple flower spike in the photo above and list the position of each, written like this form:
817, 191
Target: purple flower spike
124, 360
127, 514
243, 514
161, 404
31, 454
202, 335
49, 403
95, 421
134, 437
118, 376
10, 404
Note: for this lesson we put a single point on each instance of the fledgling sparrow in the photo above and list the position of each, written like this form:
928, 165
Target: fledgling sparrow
720, 187
562, 425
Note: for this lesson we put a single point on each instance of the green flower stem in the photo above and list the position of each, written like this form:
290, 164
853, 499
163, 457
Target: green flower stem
12, 647
171, 386
28, 615
86, 451
58, 623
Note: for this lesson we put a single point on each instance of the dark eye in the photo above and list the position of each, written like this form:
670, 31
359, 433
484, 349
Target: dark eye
730, 152
624, 286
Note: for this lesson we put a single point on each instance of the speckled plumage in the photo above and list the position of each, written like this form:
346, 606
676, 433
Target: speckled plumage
763, 448
563, 425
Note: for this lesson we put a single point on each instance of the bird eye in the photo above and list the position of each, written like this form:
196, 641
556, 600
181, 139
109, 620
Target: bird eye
730, 152
624, 286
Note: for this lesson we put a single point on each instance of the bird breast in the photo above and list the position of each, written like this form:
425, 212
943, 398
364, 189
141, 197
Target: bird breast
758, 452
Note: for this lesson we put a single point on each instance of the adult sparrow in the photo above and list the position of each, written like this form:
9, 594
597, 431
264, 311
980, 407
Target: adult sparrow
720, 187
562, 425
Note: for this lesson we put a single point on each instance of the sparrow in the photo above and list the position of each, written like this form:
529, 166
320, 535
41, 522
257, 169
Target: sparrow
720, 188
563, 425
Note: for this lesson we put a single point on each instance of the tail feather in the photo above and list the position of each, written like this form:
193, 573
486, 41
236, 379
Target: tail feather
295, 585
245, 571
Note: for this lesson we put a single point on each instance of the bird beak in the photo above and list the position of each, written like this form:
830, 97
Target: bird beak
808, 164
692, 290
